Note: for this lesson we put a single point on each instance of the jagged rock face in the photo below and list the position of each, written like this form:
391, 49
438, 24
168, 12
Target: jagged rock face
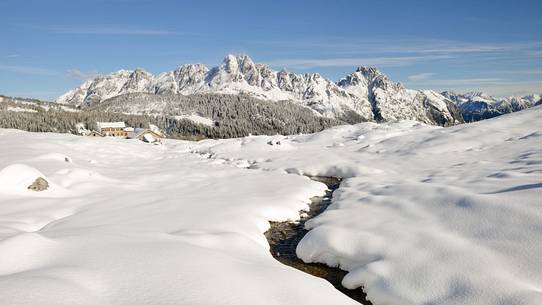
138, 81
439, 110
365, 95
475, 106
391, 101
189, 78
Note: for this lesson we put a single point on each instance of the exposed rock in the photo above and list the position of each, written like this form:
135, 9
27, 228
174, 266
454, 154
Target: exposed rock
39, 185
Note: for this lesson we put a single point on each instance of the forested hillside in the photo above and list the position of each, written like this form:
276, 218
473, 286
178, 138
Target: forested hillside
232, 116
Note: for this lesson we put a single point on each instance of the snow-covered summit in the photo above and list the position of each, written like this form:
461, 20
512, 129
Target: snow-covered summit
364, 95
476, 106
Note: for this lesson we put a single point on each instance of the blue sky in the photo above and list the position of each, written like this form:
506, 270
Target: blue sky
51, 46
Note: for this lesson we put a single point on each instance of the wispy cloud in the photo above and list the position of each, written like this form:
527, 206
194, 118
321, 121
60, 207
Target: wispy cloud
462, 47
346, 52
113, 30
27, 70
420, 76
404, 46
80, 75
12, 55
527, 72
499, 87
509, 88
456, 82
303, 63
535, 53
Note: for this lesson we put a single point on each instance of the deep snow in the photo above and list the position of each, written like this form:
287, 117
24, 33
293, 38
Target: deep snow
131, 223
427, 215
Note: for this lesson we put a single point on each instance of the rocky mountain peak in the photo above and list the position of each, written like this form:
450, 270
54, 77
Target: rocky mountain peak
197, 69
369, 72
139, 73
230, 64
364, 95
481, 94
479, 105
120, 73
449, 93
363, 76
238, 64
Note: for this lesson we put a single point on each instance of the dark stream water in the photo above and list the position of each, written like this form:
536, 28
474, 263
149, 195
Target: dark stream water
283, 238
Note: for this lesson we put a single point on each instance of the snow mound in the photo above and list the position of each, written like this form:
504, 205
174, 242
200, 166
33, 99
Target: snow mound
16, 178
22, 252
78, 178
55, 157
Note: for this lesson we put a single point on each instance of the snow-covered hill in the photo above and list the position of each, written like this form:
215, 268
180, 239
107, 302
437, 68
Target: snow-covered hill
475, 106
425, 215
364, 95
192, 116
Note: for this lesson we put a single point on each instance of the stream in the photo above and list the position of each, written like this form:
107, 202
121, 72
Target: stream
284, 236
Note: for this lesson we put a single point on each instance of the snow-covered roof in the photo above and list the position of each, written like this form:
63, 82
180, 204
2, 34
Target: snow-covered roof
111, 125
91, 132
141, 131
149, 138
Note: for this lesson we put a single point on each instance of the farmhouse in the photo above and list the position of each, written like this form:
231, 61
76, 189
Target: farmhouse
146, 135
94, 133
112, 129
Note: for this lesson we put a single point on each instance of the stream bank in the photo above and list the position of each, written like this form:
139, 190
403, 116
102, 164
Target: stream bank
283, 238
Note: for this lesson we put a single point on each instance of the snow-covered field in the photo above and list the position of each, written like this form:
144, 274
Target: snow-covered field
427, 215
196, 118
19, 109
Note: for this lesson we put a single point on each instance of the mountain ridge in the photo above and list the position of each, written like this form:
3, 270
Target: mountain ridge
477, 105
364, 95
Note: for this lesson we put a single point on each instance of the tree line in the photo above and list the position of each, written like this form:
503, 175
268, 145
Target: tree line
233, 115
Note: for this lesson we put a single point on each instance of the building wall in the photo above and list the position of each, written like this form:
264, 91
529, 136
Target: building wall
114, 132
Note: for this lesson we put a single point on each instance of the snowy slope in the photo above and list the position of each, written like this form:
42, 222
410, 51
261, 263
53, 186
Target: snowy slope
124, 222
365, 95
196, 118
427, 215
17, 104
476, 106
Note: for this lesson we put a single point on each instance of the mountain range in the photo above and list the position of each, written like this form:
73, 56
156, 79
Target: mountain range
364, 95
475, 106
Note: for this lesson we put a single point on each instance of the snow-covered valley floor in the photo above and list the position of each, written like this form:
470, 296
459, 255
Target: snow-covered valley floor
426, 215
